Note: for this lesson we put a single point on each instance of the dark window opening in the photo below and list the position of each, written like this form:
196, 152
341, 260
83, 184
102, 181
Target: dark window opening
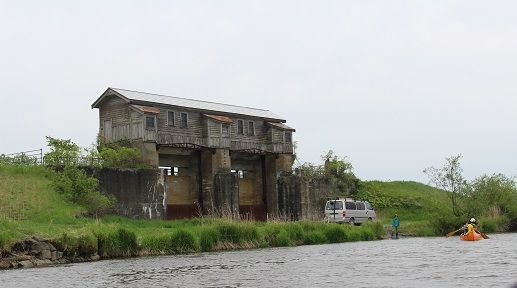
170, 118
150, 122
288, 137
360, 206
334, 205
184, 120
350, 206
225, 130
240, 127
251, 128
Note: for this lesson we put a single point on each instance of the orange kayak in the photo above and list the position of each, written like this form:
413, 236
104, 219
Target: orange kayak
474, 236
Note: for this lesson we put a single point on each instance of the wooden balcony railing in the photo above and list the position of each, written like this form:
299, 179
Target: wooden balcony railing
225, 143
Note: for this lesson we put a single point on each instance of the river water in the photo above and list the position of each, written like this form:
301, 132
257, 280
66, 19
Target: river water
410, 262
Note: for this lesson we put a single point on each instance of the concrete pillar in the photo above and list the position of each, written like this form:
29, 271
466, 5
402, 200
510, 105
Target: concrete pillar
212, 162
271, 191
222, 161
284, 162
275, 164
207, 180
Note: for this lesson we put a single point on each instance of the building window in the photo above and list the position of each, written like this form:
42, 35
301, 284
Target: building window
184, 120
170, 118
288, 137
150, 122
240, 127
225, 130
251, 128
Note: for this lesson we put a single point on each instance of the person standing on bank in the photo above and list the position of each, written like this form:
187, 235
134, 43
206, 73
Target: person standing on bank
395, 223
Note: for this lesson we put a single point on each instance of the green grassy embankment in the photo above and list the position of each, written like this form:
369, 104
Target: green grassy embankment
418, 206
29, 206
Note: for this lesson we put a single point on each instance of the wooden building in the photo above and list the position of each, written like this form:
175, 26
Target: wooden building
216, 155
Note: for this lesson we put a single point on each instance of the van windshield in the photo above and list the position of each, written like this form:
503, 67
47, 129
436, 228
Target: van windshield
334, 205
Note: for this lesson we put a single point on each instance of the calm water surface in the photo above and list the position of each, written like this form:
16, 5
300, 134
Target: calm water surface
411, 262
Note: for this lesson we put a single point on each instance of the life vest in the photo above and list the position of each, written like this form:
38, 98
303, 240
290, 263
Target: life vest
470, 228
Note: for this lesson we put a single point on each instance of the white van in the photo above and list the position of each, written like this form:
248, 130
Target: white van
349, 211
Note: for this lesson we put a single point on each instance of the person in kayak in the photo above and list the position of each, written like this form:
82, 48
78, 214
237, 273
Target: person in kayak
470, 226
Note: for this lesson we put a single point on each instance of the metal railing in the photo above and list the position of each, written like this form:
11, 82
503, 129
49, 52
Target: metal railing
36, 157
79, 161
31, 157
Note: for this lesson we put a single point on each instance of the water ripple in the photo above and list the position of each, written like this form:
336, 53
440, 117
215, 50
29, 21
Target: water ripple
409, 262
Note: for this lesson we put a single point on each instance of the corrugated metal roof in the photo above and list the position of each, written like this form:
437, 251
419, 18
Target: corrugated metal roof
195, 104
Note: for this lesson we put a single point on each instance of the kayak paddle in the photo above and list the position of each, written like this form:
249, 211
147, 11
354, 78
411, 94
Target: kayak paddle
452, 233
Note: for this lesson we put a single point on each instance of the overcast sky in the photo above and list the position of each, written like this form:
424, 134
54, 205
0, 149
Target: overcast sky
396, 86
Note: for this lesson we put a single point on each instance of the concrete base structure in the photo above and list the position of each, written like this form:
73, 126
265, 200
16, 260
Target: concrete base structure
220, 182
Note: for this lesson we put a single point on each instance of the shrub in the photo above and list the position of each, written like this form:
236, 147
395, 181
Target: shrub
121, 157
182, 241
335, 233
76, 245
62, 152
87, 245
156, 244
229, 232
4, 242
270, 233
208, 238
237, 233
445, 223
314, 237
354, 235
494, 224
77, 187
366, 233
121, 243
377, 229
295, 231
283, 239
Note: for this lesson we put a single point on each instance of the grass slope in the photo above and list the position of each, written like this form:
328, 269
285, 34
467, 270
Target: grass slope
29, 206
416, 204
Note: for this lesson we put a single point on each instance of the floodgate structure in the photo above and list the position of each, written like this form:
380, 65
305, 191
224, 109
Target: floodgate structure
211, 157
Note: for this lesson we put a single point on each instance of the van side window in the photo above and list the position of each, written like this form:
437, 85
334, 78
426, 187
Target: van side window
360, 205
369, 206
350, 206
334, 205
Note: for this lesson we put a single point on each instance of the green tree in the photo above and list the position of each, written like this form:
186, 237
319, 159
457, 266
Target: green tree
119, 154
63, 152
335, 169
493, 196
449, 178
79, 188
72, 182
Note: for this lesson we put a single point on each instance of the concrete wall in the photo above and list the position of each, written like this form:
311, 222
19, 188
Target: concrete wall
140, 193
290, 197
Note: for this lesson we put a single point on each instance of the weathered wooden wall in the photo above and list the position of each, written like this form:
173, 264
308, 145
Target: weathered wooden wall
129, 124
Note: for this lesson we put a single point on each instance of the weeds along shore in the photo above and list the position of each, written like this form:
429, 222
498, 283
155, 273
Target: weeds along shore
116, 237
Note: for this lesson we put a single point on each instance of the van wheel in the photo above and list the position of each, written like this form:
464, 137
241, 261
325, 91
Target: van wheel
351, 221
370, 219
